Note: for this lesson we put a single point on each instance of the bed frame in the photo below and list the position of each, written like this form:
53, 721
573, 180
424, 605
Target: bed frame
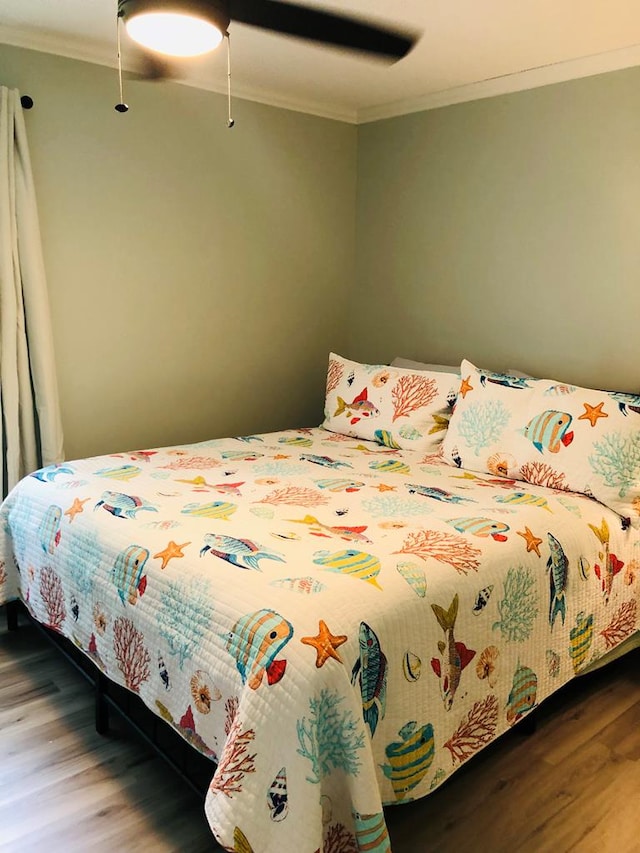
193, 768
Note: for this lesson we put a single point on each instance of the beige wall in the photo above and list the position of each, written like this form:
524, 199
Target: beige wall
198, 275
506, 230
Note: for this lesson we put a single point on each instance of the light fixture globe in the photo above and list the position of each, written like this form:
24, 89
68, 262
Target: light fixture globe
176, 27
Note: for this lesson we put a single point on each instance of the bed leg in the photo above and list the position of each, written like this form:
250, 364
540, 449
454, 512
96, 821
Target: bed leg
527, 724
12, 615
102, 706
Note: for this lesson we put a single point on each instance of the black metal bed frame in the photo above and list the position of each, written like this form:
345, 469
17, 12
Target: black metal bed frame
193, 768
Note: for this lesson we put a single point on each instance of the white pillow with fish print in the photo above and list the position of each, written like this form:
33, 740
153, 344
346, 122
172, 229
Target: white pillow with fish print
550, 434
401, 409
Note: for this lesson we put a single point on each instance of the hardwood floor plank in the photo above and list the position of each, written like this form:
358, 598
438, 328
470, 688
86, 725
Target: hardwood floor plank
573, 785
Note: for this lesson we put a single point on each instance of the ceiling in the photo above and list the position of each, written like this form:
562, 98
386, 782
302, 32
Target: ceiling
468, 49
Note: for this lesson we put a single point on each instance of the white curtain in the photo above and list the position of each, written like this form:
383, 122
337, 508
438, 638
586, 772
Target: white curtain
31, 424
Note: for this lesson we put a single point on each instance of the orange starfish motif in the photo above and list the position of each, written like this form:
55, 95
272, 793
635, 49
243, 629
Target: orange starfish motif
382, 487
282, 456
533, 543
593, 413
466, 386
172, 550
76, 508
325, 644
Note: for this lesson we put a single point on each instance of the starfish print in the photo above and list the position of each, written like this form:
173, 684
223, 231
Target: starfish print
172, 550
533, 543
325, 644
279, 456
76, 508
466, 386
592, 413
382, 487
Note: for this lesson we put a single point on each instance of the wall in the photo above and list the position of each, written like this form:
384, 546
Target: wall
198, 275
506, 230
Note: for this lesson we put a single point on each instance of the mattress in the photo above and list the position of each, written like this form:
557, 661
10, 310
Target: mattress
338, 625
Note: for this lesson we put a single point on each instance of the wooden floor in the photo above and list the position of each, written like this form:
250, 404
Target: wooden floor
572, 785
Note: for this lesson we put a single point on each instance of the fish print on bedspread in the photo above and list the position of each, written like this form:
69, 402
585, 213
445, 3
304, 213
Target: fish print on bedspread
341, 623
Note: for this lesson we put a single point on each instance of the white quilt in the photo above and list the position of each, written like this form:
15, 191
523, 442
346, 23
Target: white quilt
339, 625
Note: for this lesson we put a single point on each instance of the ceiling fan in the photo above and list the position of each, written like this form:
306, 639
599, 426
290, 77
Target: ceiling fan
192, 27
186, 28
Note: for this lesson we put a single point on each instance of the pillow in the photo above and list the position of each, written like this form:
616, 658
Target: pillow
399, 408
419, 365
550, 434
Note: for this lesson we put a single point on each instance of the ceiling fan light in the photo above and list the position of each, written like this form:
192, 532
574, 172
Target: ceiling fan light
173, 33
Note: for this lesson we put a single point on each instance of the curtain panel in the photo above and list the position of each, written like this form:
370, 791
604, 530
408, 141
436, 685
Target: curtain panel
31, 423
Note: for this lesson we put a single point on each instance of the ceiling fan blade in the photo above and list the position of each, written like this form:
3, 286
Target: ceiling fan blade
324, 27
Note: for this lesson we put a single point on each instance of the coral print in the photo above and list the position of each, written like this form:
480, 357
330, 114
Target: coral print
411, 393
340, 619
483, 423
334, 374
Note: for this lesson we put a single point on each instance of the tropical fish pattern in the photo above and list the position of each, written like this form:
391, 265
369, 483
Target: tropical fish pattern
409, 758
522, 697
360, 407
351, 563
436, 493
480, 526
558, 566
254, 642
123, 506
549, 431
127, 573
415, 584
49, 529
243, 553
454, 656
370, 672
214, 509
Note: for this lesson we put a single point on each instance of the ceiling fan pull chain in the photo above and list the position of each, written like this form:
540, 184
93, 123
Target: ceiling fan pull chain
120, 107
230, 121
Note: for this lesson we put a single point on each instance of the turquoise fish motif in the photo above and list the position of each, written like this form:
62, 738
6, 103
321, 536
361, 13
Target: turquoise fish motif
370, 670
243, 553
410, 758
255, 642
296, 441
383, 436
124, 472
49, 529
214, 509
241, 455
355, 564
390, 466
325, 461
522, 697
549, 431
580, 637
436, 493
48, 474
121, 505
372, 835
558, 566
127, 573
340, 485
522, 498
482, 527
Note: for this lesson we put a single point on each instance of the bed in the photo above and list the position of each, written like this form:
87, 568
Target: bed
336, 618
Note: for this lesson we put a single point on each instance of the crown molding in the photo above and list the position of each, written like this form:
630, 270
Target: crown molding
530, 78
97, 54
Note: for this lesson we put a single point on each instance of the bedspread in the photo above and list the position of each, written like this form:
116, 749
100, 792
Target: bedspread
338, 624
